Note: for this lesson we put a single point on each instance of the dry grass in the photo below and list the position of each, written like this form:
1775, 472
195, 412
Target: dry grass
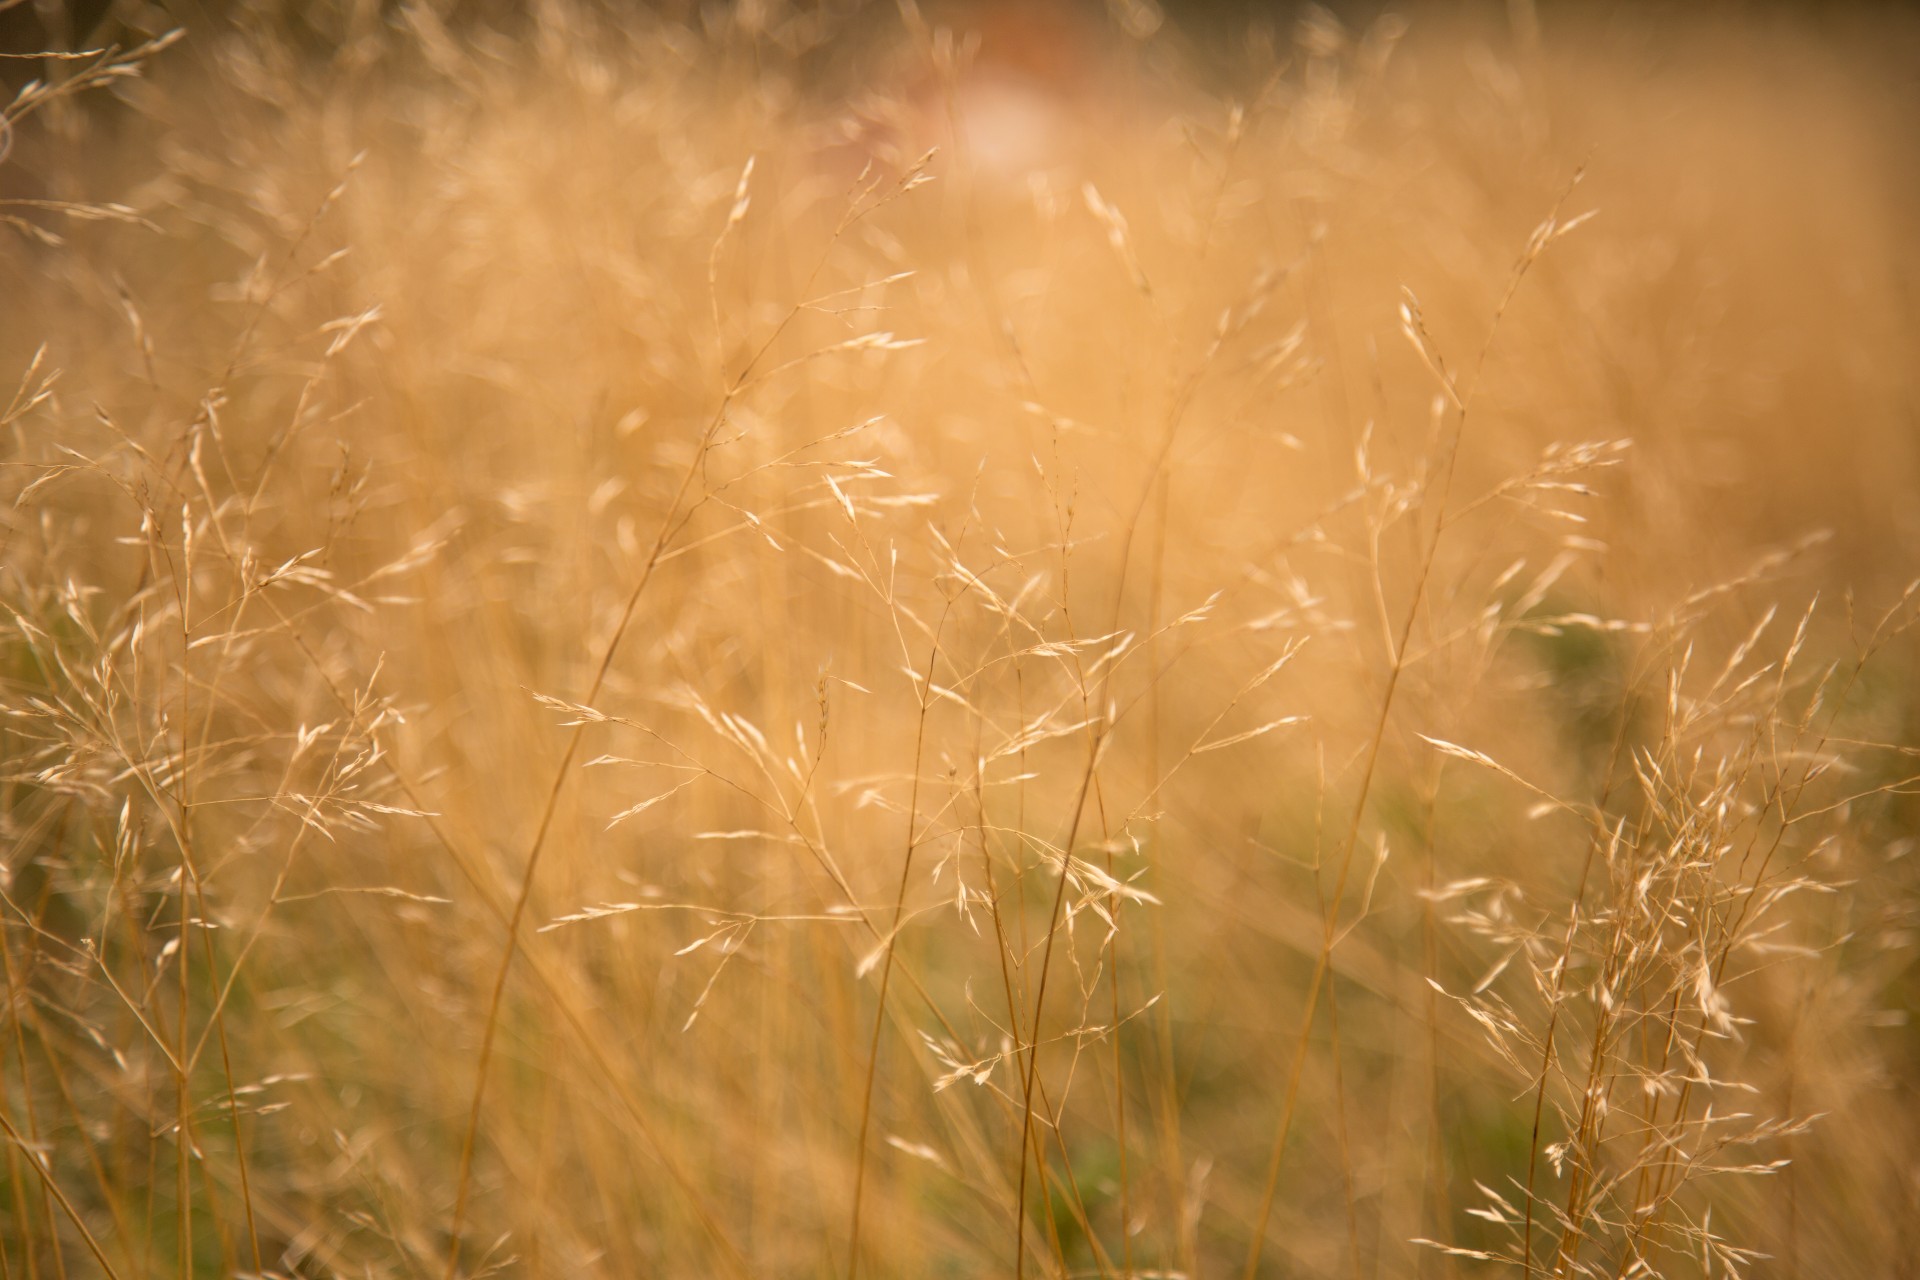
781, 644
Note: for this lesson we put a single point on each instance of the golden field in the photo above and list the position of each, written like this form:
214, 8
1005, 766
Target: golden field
959, 640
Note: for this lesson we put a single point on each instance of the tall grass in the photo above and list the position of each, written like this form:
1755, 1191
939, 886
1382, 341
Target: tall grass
967, 642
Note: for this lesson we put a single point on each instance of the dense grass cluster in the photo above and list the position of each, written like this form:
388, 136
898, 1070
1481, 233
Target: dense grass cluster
980, 641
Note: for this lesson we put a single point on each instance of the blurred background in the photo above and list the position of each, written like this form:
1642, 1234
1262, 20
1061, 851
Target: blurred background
957, 639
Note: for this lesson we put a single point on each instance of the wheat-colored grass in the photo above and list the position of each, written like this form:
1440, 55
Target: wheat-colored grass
981, 641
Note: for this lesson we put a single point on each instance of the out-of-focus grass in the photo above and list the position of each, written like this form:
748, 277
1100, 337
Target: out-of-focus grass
605, 611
